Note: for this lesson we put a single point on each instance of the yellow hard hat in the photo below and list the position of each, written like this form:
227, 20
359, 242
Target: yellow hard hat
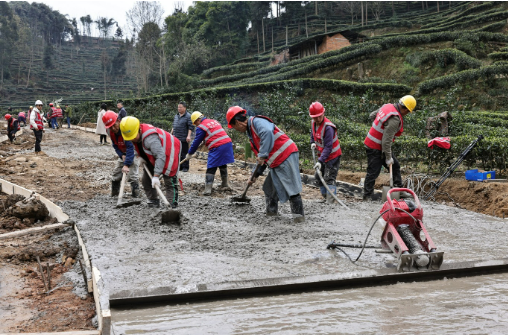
31, 107
129, 126
409, 102
196, 115
57, 106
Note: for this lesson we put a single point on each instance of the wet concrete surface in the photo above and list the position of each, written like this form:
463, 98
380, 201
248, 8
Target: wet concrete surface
452, 306
219, 242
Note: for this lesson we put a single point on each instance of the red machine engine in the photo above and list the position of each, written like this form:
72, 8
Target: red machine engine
406, 236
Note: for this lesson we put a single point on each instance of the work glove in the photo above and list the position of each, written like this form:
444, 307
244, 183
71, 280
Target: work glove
125, 169
188, 156
156, 182
261, 160
317, 166
389, 161
313, 146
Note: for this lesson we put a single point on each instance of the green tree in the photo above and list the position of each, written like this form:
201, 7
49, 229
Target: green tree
8, 38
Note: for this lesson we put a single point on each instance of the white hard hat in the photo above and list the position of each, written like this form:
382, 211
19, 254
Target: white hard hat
38, 102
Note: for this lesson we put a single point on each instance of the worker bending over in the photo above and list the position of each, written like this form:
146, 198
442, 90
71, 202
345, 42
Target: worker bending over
273, 148
388, 123
22, 117
161, 152
12, 127
220, 149
127, 162
324, 138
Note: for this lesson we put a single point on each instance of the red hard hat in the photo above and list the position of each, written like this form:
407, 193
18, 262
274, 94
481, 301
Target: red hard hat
232, 111
51, 105
7, 116
109, 118
316, 109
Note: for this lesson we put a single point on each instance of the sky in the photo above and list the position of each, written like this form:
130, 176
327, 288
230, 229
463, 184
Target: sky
108, 9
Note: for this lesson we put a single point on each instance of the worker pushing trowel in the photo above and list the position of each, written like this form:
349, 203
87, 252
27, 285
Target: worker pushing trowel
160, 152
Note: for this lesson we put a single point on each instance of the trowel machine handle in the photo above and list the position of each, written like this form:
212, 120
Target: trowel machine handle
415, 197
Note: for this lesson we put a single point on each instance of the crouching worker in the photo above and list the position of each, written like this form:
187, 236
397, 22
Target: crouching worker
324, 138
12, 128
127, 162
219, 145
161, 152
273, 148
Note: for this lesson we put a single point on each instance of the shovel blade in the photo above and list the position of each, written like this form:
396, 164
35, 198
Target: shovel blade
393, 195
128, 204
170, 216
240, 199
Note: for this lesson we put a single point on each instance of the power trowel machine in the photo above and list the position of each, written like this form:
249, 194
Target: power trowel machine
406, 236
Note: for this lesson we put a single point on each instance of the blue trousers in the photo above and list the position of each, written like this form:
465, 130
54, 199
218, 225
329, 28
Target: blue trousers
68, 122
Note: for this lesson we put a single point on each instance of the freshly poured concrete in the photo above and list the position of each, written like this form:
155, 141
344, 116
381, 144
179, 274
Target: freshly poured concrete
222, 242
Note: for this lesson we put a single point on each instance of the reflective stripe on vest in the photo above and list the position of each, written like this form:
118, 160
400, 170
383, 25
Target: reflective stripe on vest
117, 140
170, 144
38, 120
10, 124
319, 135
283, 146
375, 135
56, 112
216, 135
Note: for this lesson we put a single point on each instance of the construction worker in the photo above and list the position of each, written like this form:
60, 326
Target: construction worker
276, 150
12, 127
388, 123
182, 129
67, 115
59, 116
324, 138
121, 110
22, 117
100, 129
161, 151
36, 125
127, 162
220, 149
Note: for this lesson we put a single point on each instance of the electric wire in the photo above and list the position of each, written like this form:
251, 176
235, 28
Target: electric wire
366, 237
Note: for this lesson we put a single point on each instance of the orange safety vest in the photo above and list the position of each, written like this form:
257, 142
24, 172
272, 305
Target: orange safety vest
118, 140
319, 134
170, 144
375, 136
38, 120
283, 146
215, 134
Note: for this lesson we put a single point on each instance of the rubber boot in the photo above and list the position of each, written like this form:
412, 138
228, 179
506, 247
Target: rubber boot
115, 188
135, 189
323, 193
272, 206
297, 208
329, 197
208, 184
154, 203
224, 178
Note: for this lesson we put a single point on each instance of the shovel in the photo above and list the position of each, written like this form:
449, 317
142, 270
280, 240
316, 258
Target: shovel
121, 204
243, 198
170, 215
393, 195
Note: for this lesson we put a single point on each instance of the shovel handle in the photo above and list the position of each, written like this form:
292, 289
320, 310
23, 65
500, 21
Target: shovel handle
122, 187
391, 176
159, 192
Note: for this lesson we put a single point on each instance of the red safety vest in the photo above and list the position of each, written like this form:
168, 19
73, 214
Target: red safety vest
375, 136
170, 144
118, 140
38, 120
283, 146
10, 124
442, 142
57, 112
215, 134
319, 134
